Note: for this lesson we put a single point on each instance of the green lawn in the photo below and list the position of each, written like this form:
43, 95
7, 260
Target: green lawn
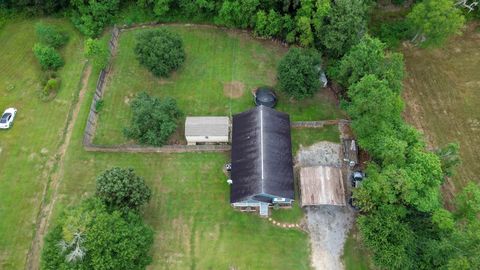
39, 125
308, 136
355, 255
195, 226
190, 212
220, 71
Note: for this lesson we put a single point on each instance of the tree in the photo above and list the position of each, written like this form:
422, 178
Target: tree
90, 237
153, 120
435, 21
238, 13
48, 57
299, 72
90, 17
391, 240
468, 202
160, 50
97, 52
50, 35
122, 189
450, 158
345, 25
368, 57
268, 25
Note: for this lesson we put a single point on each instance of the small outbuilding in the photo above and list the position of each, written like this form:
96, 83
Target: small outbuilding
321, 185
207, 129
262, 166
265, 96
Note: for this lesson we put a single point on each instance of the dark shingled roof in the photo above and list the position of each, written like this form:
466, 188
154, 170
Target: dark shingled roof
261, 155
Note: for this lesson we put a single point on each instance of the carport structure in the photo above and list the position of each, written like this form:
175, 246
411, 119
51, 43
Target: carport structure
322, 185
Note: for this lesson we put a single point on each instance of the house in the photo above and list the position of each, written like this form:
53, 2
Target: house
321, 185
207, 129
262, 166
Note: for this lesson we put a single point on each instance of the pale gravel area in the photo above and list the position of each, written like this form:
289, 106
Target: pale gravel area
328, 225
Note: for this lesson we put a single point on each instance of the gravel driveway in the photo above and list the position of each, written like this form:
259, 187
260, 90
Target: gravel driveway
328, 225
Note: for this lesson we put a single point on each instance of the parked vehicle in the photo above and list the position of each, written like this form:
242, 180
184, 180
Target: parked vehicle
357, 178
7, 118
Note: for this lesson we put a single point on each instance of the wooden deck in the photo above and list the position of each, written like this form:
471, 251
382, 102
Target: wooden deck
322, 185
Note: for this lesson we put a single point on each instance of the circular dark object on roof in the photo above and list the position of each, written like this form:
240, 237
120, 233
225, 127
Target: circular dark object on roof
266, 97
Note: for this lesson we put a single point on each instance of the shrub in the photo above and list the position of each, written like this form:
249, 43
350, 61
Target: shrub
50, 35
51, 86
392, 33
99, 105
48, 57
299, 72
161, 51
122, 189
98, 52
153, 120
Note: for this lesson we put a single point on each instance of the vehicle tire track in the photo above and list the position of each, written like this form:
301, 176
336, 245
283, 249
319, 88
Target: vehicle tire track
55, 173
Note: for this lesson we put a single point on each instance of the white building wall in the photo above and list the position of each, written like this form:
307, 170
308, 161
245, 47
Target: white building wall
203, 139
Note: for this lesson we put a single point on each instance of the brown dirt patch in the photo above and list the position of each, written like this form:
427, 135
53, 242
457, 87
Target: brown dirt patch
234, 89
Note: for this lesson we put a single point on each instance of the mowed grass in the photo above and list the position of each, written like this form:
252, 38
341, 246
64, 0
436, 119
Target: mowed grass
442, 94
36, 134
221, 70
355, 255
195, 226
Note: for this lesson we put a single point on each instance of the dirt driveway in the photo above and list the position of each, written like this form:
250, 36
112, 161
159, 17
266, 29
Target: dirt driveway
328, 225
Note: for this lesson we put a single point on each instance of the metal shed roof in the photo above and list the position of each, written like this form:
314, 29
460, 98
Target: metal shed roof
261, 155
206, 126
322, 185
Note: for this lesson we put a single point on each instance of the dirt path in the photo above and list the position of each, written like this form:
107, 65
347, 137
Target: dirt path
55, 170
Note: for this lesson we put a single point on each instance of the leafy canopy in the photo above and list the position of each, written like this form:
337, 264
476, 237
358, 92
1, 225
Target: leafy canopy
90, 17
435, 21
153, 119
369, 57
299, 72
98, 52
122, 189
48, 57
345, 25
90, 237
160, 50
50, 35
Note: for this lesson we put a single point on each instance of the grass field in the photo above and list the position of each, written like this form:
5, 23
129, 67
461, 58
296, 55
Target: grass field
220, 71
26, 148
442, 96
355, 255
195, 226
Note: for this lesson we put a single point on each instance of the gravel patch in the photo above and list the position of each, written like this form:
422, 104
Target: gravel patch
328, 225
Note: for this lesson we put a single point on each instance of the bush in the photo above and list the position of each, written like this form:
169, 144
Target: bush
153, 120
99, 105
122, 189
161, 51
48, 57
51, 86
98, 52
50, 35
299, 72
394, 32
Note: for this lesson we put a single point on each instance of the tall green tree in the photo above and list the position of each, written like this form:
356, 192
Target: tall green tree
369, 57
299, 72
90, 17
435, 21
122, 189
153, 119
345, 24
90, 237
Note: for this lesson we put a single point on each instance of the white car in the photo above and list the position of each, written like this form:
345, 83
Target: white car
7, 118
